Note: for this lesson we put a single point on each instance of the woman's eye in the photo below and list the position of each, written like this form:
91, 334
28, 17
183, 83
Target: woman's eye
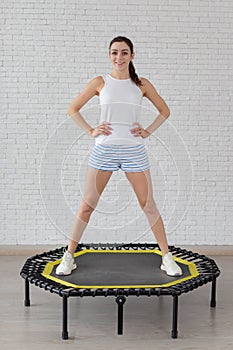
124, 53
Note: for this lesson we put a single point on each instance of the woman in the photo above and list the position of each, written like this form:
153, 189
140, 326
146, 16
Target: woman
119, 144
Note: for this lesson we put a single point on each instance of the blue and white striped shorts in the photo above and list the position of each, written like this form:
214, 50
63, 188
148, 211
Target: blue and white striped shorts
115, 157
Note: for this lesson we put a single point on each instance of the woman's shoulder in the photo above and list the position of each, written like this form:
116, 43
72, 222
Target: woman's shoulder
145, 81
145, 85
98, 79
97, 83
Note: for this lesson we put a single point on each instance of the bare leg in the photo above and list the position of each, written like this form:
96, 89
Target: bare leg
96, 180
142, 185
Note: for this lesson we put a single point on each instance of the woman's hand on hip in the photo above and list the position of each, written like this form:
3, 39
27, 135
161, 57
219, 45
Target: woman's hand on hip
103, 129
139, 131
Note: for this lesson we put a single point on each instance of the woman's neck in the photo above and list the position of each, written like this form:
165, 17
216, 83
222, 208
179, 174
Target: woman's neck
120, 75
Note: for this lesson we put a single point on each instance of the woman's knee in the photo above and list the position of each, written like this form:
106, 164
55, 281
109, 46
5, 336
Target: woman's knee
86, 208
149, 207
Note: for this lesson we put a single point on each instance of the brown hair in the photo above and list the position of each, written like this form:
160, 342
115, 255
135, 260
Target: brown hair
133, 75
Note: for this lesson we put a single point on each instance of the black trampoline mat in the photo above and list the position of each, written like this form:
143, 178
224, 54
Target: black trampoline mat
119, 269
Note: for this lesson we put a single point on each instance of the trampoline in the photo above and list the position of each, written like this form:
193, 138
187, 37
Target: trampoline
119, 270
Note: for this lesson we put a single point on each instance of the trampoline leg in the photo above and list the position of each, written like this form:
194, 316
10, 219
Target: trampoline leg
64, 317
27, 297
174, 332
213, 293
120, 301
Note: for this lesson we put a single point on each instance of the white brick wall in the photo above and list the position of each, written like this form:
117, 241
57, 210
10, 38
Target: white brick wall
50, 50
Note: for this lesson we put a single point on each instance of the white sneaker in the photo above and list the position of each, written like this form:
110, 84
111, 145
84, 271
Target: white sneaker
170, 266
67, 265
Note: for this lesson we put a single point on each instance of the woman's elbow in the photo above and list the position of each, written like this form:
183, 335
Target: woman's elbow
165, 113
71, 111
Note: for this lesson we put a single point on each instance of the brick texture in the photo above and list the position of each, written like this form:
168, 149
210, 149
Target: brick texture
49, 51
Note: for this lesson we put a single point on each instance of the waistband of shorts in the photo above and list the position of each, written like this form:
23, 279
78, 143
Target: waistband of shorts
112, 146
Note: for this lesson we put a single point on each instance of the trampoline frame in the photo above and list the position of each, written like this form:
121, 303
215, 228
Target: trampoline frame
34, 267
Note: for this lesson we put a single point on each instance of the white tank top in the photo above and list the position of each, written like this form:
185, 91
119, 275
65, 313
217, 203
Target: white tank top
120, 101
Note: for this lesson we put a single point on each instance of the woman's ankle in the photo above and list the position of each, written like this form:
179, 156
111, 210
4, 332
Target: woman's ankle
72, 246
164, 252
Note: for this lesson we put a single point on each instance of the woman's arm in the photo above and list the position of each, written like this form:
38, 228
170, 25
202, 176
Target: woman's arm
89, 91
93, 88
150, 92
159, 103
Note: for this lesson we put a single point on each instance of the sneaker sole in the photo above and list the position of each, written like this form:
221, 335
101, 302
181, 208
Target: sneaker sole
67, 274
162, 267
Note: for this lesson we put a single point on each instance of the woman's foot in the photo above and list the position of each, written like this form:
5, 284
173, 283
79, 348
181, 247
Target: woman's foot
170, 266
67, 265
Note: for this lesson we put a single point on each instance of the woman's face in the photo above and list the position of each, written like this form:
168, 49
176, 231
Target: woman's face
120, 56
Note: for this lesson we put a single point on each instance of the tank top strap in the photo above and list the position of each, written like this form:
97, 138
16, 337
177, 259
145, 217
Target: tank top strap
105, 77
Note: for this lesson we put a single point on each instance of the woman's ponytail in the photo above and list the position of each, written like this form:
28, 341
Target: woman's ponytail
133, 74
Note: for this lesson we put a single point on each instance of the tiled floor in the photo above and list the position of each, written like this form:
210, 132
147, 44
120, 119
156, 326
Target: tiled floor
92, 321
